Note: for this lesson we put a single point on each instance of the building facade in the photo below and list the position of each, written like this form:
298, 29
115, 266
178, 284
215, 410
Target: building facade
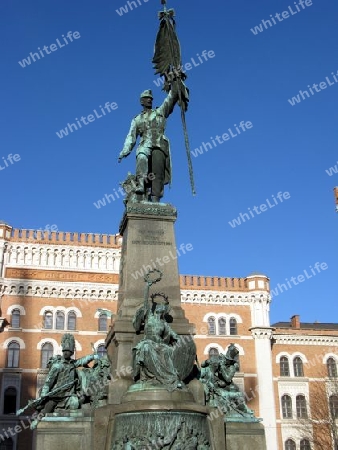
54, 282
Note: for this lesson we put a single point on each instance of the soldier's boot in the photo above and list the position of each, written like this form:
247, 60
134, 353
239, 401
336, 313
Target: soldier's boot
155, 199
140, 185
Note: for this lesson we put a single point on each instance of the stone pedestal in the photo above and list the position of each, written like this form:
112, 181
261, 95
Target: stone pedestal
72, 430
245, 436
148, 244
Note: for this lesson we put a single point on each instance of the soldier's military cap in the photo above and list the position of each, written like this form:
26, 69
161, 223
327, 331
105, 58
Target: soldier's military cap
147, 93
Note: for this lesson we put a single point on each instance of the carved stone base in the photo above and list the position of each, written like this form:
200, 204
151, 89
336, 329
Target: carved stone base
245, 436
65, 432
158, 415
151, 415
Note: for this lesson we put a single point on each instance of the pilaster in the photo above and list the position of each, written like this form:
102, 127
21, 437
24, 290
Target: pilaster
267, 408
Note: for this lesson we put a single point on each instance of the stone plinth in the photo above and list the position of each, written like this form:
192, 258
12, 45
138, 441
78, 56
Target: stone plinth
66, 432
245, 436
148, 244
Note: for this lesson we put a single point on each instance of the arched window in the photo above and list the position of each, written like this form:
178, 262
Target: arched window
233, 326
101, 350
15, 319
334, 406
222, 326
290, 445
331, 368
46, 353
305, 445
284, 367
7, 444
301, 407
103, 322
13, 354
286, 407
211, 325
60, 320
10, 401
298, 367
48, 320
71, 321
213, 351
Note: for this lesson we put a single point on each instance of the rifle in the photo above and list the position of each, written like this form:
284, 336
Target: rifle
38, 401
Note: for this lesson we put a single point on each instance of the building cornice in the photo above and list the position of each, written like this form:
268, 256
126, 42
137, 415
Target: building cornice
62, 256
61, 275
210, 297
59, 289
290, 339
262, 332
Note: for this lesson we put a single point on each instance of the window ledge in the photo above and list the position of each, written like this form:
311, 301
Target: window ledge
239, 375
284, 378
14, 329
54, 330
12, 369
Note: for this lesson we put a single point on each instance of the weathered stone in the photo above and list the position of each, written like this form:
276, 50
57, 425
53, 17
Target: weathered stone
71, 432
245, 436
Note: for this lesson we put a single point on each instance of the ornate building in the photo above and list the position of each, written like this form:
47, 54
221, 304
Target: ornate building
52, 282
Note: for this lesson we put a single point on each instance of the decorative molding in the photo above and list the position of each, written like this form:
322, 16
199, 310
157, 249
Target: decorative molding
221, 350
330, 355
222, 297
62, 256
14, 339
213, 345
56, 275
47, 289
98, 343
292, 430
57, 349
223, 337
55, 344
225, 316
296, 339
293, 388
19, 307
65, 310
262, 332
291, 356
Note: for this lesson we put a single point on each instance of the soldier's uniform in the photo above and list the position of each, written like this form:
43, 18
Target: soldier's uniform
153, 152
63, 372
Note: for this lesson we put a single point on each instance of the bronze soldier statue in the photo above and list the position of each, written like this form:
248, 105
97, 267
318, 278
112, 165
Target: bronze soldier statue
153, 164
62, 388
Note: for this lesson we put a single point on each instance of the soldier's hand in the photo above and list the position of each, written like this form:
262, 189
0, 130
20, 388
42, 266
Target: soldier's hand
120, 158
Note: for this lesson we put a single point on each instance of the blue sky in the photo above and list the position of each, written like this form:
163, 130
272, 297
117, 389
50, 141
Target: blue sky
250, 78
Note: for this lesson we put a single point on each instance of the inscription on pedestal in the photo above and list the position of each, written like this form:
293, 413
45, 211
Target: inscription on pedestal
151, 237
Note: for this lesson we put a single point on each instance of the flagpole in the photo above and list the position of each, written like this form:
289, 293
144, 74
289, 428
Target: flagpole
177, 70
